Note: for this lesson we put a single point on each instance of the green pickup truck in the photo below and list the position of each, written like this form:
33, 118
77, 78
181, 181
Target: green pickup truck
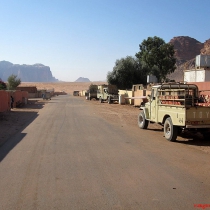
178, 107
108, 93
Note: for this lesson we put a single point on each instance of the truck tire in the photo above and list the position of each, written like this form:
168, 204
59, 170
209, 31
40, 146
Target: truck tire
100, 100
170, 131
109, 100
142, 122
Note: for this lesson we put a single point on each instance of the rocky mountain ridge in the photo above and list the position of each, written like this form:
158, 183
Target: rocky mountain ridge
186, 49
27, 73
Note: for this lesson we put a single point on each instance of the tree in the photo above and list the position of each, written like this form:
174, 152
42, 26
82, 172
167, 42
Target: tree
3, 85
13, 82
158, 56
126, 72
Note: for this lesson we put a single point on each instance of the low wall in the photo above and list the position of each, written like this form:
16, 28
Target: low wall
29, 89
202, 86
139, 93
82, 92
4, 101
34, 95
20, 97
127, 93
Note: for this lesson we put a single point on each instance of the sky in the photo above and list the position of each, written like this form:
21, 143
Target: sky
84, 38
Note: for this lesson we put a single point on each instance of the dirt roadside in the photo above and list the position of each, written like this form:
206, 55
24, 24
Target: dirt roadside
124, 115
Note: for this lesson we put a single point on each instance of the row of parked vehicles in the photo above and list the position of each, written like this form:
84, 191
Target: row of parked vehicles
178, 107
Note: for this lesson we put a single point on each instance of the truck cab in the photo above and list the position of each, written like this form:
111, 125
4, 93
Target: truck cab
152, 104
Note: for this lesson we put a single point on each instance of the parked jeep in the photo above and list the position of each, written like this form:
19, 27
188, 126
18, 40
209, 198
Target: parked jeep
178, 108
108, 93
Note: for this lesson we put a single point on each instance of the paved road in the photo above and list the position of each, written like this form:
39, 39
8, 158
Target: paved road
71, 158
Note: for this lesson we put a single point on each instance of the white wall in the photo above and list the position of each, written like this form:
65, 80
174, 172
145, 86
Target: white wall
197, 75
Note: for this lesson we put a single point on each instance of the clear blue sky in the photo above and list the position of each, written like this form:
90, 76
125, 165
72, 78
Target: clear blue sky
83, 38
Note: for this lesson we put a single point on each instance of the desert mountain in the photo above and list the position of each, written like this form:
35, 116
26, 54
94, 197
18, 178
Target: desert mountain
186, 49
27, 73
82, 79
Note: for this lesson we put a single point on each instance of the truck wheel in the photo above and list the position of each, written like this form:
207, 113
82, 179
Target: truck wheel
170, 131
100, 100
109, 100
142, 122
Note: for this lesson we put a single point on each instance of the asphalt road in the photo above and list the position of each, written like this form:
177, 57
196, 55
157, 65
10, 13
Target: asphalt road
69, 157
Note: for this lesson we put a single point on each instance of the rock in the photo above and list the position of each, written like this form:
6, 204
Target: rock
186, 49
82, 79
27, 73
206, 48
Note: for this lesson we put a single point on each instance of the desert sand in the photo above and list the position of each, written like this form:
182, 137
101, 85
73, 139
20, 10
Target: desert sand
67, 87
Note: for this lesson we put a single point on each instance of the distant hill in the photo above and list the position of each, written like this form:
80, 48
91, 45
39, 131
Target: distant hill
27, 73
82, 79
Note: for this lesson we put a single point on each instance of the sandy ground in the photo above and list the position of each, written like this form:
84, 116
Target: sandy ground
67, 87
124, 115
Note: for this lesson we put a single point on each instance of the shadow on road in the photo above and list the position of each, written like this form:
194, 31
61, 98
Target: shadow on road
13, 123
9, 145
196, 140
187, 138
35, 104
